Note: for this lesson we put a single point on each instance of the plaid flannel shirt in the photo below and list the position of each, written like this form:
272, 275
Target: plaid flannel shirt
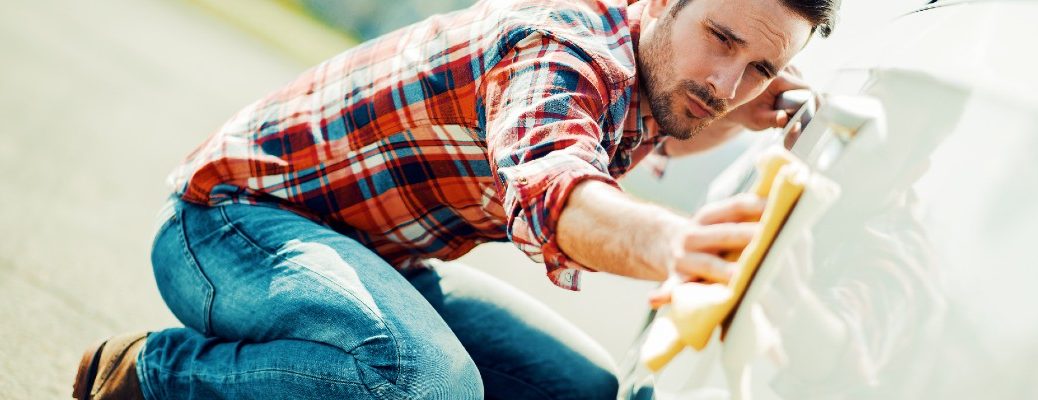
467, 127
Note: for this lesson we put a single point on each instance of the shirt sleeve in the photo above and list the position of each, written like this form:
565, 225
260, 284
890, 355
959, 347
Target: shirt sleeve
543, 106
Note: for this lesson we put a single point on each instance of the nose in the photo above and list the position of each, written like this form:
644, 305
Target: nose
724, 81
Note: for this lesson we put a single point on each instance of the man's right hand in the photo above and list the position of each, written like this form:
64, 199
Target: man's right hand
699, 247
610, 231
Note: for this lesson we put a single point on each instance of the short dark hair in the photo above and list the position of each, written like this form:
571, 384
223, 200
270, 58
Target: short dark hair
820, 13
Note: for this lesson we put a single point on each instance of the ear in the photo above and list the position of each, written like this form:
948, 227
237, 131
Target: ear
656, 8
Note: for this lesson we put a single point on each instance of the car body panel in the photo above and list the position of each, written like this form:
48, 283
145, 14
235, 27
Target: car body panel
906, 269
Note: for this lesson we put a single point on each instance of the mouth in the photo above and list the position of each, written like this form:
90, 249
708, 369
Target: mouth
697, 109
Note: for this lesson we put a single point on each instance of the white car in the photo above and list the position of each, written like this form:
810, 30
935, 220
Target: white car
906, 270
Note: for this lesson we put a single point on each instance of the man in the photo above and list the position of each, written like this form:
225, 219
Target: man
298, 249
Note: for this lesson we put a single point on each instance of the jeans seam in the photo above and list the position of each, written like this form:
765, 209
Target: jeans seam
374, 315
189, 255
142, 366
280, 370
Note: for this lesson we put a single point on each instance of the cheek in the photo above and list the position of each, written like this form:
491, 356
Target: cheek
690, 64
748, 90
690, 56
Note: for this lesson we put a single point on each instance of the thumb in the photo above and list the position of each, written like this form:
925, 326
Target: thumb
787, 81
660, 296
781, 118
765, 119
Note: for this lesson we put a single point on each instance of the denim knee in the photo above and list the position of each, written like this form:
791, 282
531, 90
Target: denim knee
400, 355
440, 372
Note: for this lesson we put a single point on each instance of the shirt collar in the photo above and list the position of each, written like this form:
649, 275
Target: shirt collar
639, 122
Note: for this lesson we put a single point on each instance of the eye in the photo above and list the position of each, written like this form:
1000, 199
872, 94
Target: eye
720, 37
762, 71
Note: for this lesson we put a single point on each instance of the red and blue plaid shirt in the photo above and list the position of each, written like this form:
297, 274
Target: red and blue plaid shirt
467, 127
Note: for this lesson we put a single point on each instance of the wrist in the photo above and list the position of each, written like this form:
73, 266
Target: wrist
664, 242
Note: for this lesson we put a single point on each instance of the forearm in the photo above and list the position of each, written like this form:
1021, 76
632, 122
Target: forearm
610, 231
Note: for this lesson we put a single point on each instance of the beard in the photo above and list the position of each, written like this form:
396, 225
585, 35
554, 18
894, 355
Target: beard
653, 64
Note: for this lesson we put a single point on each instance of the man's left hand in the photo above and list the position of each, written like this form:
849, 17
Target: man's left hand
760, 113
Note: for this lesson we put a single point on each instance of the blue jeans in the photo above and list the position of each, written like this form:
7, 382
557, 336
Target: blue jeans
278, 306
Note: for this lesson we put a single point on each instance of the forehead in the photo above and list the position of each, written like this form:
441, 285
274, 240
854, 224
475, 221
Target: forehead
769, 28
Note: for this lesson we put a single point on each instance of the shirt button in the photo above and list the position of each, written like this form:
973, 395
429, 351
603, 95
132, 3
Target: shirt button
522, 180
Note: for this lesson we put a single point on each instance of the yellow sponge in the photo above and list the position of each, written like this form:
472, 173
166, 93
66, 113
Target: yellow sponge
697, 309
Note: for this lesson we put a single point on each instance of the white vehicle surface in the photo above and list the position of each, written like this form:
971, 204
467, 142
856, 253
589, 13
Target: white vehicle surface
906, 270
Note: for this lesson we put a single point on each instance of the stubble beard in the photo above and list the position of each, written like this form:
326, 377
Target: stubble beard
652, 63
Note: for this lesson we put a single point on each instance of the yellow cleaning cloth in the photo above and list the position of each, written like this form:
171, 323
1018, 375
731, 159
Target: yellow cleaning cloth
697, 309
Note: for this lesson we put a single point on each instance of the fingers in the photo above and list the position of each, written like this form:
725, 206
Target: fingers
774, 119
694, 267
723, 226
787, 80
740, 208
700, 260
721, 237
780, 119
792, 136
661, 295
768, 118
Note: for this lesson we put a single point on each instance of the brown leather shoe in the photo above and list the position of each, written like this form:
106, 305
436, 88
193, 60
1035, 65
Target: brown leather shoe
108, 369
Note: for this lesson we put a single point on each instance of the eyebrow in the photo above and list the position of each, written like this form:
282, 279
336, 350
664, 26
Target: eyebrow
728, 33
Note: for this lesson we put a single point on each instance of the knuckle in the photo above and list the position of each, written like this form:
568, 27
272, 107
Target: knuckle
749, 229
696, 237
727, 270
708, 209
714, 268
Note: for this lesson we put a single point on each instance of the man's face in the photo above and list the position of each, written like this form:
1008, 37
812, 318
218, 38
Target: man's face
713, 56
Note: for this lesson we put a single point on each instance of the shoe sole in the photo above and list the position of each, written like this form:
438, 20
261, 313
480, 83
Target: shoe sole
87, 371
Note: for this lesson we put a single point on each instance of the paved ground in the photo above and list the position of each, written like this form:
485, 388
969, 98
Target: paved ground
98, 100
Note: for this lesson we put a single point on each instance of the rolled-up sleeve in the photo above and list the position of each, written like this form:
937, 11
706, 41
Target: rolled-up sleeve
543, 106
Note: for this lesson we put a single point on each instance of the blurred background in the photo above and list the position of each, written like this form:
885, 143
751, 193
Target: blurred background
100, 99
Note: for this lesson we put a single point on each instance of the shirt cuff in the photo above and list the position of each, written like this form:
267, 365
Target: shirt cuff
535, 194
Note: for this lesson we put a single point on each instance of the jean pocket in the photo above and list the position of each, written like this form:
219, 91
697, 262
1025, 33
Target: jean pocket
183, 285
